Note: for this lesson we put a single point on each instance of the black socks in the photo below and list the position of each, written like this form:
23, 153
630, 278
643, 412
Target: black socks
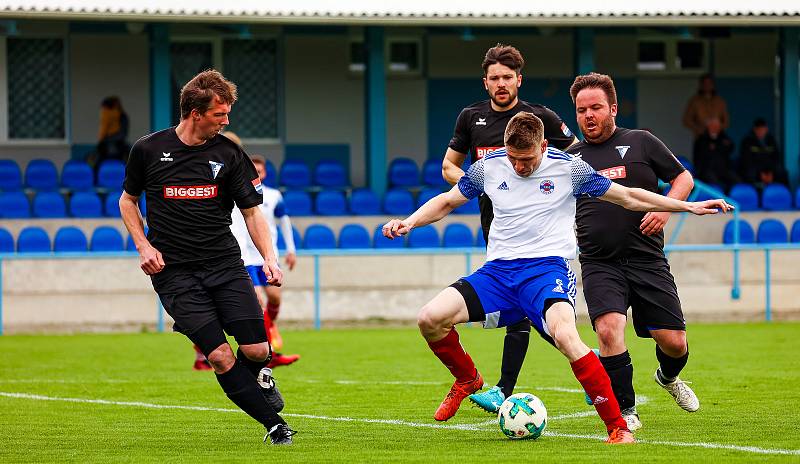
241, 387
620, 371
515, 347
670, 367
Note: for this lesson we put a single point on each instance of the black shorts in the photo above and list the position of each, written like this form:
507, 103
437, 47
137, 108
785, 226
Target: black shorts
196, 294
647, 287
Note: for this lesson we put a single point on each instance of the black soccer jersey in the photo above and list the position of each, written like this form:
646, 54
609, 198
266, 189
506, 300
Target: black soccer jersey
633, 158
480, 129
190, 192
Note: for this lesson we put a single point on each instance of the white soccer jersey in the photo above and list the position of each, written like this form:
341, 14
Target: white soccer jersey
533, 216
272, 208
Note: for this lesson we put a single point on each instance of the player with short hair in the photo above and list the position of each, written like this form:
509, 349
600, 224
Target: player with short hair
622, 252
533, 191
269, 296
479, 129
193, 177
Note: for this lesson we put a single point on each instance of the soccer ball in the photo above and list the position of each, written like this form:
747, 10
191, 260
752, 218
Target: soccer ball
522, 416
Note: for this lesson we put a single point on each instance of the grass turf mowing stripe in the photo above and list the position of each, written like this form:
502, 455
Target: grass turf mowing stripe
467, 427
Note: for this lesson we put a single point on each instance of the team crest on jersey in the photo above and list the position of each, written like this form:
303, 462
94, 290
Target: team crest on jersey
480, 122
502, 186
215, 167
547, 186
559, 288
622, 149
565, 130
258, 185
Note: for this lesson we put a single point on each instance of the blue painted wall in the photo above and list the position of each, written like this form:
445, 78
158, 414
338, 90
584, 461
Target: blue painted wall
747, 98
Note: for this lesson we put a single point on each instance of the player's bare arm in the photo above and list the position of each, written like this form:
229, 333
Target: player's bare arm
259, 233
680, 188
451, 166
433, 210
150, 259
636, 199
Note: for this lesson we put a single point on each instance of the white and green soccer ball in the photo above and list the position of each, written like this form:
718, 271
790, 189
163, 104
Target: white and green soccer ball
522, 416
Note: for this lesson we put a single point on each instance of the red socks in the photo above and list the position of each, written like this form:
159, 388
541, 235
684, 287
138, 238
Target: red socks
273, 310
592, 376
267, 324
198, 355
452, 355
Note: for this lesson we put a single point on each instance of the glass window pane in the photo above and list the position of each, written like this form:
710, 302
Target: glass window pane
252, 66
36, 88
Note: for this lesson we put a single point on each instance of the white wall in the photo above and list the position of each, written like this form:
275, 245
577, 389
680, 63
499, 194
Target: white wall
105, 65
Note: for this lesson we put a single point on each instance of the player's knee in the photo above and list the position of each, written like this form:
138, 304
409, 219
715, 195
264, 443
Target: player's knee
427, 319
256, 352
222, 358
673, 343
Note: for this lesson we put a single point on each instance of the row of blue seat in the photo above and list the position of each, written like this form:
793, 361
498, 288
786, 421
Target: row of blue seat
42, 175
769, 231
774, 197
67, 239
363, 202
15, 205
317, 236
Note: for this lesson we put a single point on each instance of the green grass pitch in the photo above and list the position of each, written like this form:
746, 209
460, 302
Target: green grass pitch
368, 395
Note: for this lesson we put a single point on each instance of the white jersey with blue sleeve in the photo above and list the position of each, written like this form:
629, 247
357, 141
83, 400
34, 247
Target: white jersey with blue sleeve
273, 208
534, 216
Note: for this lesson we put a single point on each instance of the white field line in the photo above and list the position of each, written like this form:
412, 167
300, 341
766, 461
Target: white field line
468, 427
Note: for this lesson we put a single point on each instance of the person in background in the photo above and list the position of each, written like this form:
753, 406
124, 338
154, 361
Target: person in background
712, 155
705, 105
760, 158
112, 136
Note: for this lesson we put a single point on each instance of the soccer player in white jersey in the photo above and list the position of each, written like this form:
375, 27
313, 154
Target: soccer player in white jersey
269, 297
533, 191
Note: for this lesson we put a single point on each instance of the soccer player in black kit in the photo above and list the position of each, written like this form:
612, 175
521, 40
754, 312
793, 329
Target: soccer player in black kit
622, 252
479, 129
193, 177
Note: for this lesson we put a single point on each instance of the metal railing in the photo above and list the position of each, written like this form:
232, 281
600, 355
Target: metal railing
316, 255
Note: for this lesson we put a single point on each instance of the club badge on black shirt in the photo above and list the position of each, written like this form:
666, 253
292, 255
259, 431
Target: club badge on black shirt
189, 192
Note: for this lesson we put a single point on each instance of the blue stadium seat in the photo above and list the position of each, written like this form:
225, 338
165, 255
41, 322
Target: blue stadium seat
426, 195
86, 205
403, 172
77, 175
686, 163
295, 174
772, 231
364, 202
10, 176
398, 202
479, 240
70, 238
49, 205
776, 197
14, 205
424, 237
746, 233
457, 235
111, 174
379, 241
33, 240
6, 241
319, 236
354, 236
143, 205
111, 204
271, 175
795, 234
703, 195
470, 207
330, 203
298, 241
330, 173
432, 174
797, 198
106, 238
41, 174
298, 203
746, 196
